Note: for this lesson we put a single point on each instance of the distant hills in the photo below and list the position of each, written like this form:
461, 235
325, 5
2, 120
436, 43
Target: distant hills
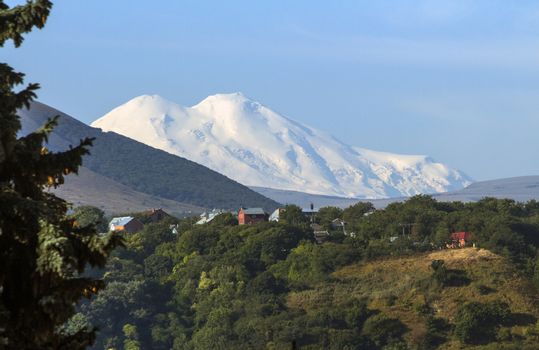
254, 145
142, 174
521, 189
304, 200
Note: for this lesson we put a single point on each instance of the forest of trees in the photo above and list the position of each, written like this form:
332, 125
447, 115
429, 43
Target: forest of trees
224, 285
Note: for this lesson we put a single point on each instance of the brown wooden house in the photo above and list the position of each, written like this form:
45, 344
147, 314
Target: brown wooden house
155, 215
249, 216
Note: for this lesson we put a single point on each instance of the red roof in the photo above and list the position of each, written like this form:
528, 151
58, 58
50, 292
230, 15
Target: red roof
460, 235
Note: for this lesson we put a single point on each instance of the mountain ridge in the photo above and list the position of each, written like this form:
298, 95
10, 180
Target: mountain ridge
249, 142
143, 168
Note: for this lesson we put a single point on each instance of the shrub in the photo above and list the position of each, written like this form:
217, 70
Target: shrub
436, 332
478, 322
448, 278
356, 313
383, 330
484, 290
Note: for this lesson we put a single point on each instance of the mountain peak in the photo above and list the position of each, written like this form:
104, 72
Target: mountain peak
154, 101
231, 103
256, 146
236, 100
232, 96
146, 100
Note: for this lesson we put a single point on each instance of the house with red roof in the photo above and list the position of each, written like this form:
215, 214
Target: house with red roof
459, 239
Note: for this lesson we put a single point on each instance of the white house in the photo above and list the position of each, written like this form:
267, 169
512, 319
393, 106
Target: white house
208, 217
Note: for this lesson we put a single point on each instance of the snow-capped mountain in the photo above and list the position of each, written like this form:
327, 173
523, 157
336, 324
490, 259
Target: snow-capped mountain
256, 146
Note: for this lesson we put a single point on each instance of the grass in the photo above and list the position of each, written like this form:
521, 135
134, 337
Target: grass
399, 287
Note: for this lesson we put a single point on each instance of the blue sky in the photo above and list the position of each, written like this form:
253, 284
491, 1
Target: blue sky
457, 80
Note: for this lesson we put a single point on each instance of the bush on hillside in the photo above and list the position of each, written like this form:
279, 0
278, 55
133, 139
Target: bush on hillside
383, 330
478, 323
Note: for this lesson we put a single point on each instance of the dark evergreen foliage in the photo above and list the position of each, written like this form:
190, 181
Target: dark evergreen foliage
87, 215
42, 251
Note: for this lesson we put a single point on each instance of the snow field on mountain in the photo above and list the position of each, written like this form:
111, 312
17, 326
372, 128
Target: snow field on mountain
256, 146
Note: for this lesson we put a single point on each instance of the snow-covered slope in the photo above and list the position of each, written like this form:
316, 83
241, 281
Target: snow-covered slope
256, 146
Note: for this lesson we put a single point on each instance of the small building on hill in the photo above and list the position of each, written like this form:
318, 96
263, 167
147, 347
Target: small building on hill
320, 233
393, 239
125, 224
174, 229
460, 239
207, 217
249, 216
337, 224
309, 213
276, 215
155, 214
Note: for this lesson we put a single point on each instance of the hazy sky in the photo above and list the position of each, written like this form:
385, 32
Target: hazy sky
458, 80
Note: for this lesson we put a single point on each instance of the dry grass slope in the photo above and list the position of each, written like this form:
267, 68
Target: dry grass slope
90, 188
393, 286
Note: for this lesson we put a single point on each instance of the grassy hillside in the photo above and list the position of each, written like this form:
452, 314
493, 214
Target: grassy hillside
90, 188
398, 287
146, 169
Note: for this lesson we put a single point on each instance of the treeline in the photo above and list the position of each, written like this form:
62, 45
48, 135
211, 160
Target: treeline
227, 286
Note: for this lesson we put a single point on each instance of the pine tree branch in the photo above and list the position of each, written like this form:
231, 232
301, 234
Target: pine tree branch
22, 19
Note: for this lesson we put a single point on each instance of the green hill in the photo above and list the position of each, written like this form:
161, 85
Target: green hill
143, 168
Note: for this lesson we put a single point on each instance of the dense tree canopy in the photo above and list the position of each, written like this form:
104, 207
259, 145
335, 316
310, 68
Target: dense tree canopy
229, 286
88, 215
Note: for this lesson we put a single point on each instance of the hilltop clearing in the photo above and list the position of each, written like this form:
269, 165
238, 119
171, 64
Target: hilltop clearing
401, 288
